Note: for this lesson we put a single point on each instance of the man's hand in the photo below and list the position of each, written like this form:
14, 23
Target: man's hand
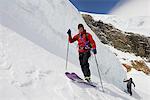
69, 32
94, 51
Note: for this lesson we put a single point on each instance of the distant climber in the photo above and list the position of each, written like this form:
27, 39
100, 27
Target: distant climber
85, 45
129, 85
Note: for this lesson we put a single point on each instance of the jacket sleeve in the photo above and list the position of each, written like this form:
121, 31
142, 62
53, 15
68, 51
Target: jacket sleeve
92, 42
125, 80
133, 84
71, 40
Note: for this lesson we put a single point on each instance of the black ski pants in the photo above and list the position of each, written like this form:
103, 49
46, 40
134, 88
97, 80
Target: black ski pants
83, 58
129, 90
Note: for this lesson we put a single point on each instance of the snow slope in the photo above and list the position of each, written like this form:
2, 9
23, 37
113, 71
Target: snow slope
140, 79
140, 24
136, 24
132, 8
29, 72
45, 22
142, 83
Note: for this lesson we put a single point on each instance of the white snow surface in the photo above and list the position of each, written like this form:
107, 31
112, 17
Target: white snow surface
29, 72
45, 22
141, 80
33, 51
132, 8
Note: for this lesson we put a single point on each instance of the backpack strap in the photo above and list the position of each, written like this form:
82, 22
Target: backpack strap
87, 40
86, 36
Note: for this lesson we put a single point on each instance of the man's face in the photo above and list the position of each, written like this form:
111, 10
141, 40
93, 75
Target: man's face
81, 29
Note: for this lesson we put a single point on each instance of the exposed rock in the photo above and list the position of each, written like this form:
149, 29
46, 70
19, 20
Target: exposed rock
128, 67
139, 66
124, 41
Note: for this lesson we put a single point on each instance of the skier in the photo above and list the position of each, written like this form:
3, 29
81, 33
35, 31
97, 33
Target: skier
129, 85
85, 45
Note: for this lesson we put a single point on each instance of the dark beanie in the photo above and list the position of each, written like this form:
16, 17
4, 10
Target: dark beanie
80, 25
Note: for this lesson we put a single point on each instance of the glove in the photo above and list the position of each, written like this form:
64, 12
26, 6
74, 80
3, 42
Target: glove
94, 51
69, 32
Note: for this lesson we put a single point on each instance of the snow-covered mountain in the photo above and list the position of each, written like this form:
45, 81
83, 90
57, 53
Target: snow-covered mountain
135, 24
45, 23
33, 50
29, 72
132, 8
141, 80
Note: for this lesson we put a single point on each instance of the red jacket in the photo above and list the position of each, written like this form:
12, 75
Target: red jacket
85, 41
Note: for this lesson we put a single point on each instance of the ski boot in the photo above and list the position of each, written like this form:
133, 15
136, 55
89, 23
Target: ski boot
88, 79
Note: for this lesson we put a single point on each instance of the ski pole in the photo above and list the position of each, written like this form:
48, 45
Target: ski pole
67, 55
99, 73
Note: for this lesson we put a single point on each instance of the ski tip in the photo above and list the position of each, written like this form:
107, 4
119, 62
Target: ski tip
67, 73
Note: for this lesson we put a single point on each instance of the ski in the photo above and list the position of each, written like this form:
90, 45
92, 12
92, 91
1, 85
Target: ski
74, 77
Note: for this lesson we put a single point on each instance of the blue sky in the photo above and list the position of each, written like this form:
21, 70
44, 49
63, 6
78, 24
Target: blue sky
95, 6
